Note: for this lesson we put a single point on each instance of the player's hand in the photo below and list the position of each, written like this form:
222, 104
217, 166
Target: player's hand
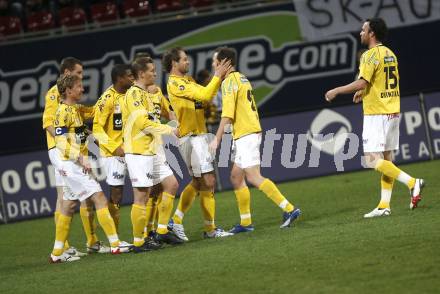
85, 165
153, 89
357, 97
213, 145
119, 152
223, 68
176, 132
330, 95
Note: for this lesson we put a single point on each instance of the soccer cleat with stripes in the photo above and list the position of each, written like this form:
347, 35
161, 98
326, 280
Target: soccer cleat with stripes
178, 230
168, 238
98, 247
416, 193
72, 251
290, 217
149, 245
217, 233
65, 257
378, 212
241, 229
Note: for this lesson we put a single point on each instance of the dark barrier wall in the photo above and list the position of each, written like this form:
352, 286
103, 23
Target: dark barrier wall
287, 74
295, 146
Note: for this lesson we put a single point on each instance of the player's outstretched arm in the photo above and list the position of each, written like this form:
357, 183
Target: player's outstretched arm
357, 85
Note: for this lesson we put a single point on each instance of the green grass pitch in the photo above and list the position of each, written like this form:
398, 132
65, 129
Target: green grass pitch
332, 249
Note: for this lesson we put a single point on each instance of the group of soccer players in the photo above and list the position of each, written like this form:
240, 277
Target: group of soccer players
127, 124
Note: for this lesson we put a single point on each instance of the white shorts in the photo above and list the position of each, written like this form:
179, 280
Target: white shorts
55, 159
147, 170
115, 170
195, 153
381, 132
79, 186
246, 151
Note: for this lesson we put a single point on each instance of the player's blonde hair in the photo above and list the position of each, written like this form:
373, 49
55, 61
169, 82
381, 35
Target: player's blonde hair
65, 82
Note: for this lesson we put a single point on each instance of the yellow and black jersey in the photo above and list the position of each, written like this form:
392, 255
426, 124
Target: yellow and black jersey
70, 132
187, 98
239, 105
140, 126
379, 68
162, 106
52, 101
107, 123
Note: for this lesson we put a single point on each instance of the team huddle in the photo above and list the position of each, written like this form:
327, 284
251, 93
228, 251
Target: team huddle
127, 124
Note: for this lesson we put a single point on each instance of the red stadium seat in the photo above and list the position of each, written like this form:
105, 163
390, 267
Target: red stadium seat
72, 16
40, 21
168, 5
200, 3
136, 8
9, 25
102, 12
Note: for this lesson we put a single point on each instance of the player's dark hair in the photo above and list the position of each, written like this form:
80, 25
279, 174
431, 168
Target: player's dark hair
69, 63
65, 82
168, 57
140, 64
379, 28
119, 71
228, 54
203, 76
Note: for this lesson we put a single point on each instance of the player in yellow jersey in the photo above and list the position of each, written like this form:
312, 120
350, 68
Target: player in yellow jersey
70, 140
378, 87
107, 129
240, 112
69, 66
187, 98
142, 135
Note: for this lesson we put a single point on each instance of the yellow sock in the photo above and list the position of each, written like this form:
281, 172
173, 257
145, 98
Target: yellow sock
389, 169
108, 225
207, 203
164, 209
89, 225
115, 213
61, 234
155, 216
138, 221
56, 215
386, 184
186, 199
149, 215
270, 189
244, 205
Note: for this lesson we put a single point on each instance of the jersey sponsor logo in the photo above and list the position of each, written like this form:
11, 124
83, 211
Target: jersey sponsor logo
80, 134
60, 131
181, 87
117, 176
117, 121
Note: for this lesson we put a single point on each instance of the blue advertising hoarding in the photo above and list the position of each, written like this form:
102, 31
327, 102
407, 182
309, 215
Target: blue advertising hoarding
294, 146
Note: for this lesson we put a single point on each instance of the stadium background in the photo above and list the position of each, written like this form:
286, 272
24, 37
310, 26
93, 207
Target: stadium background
289, 70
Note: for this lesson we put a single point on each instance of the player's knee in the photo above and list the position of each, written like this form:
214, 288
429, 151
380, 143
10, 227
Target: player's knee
255, 179
236, 179
68, 207
172, 185
100, 200
208, 181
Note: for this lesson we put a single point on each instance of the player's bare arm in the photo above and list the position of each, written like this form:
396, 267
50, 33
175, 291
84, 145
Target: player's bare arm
355, 86
221, 129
